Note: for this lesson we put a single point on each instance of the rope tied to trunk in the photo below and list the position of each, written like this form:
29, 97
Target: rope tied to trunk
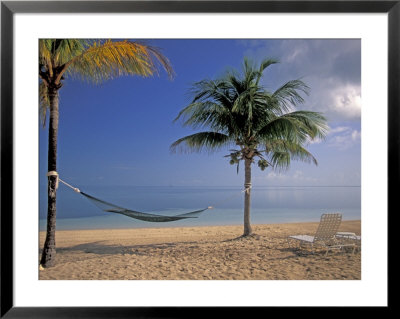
54, 173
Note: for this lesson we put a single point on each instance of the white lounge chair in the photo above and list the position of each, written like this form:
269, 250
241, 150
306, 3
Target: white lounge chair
325, 236
349, 238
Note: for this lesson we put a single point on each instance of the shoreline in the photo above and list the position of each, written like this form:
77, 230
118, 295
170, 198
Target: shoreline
197, 253
105, 222
198, 226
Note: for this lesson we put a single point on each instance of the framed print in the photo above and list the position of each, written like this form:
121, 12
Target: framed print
117, 197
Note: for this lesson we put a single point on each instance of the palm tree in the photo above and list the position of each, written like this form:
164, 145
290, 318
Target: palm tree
93, 61
237, 111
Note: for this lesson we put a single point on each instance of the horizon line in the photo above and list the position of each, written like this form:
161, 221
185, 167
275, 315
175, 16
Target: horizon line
113, 185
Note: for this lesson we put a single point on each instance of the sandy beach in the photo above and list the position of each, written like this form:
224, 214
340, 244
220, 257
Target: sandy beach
198, 253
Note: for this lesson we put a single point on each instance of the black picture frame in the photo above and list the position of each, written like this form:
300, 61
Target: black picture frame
9, 8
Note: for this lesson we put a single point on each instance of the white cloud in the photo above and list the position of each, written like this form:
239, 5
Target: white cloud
295, 54
335, 100
331, 68
338, 129
346, 101
343, 137
296, 178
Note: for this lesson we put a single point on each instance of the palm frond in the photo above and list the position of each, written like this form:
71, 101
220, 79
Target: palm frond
297, 126
264, 65
250, 72
288, 95
66, 49
314, 123
281, 152
53, 53
212, 141
280, 160
103, 61
163, 60
216, 90
284, 128
206, 115
44, 52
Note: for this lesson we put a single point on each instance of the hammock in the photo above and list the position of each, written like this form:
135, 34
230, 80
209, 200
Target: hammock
111, 208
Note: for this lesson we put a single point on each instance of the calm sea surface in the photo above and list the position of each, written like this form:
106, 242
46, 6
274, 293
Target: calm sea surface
268, 205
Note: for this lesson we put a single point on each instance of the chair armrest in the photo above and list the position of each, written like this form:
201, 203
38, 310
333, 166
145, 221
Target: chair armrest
345, 234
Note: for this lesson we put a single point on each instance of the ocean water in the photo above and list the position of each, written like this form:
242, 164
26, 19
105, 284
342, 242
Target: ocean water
269, 205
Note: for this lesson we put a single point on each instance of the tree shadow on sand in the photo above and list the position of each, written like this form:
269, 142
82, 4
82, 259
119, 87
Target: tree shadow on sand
251, 237
101, 248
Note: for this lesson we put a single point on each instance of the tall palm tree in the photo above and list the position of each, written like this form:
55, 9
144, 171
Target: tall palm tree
93, 61
238, 112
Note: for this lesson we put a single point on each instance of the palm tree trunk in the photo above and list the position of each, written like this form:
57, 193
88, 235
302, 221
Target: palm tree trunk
49, 250
247, 184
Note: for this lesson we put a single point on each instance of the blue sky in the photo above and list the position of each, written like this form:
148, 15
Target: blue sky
119, 132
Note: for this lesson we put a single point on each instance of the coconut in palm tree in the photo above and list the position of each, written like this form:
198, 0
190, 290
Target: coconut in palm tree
239, 113
94, 61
